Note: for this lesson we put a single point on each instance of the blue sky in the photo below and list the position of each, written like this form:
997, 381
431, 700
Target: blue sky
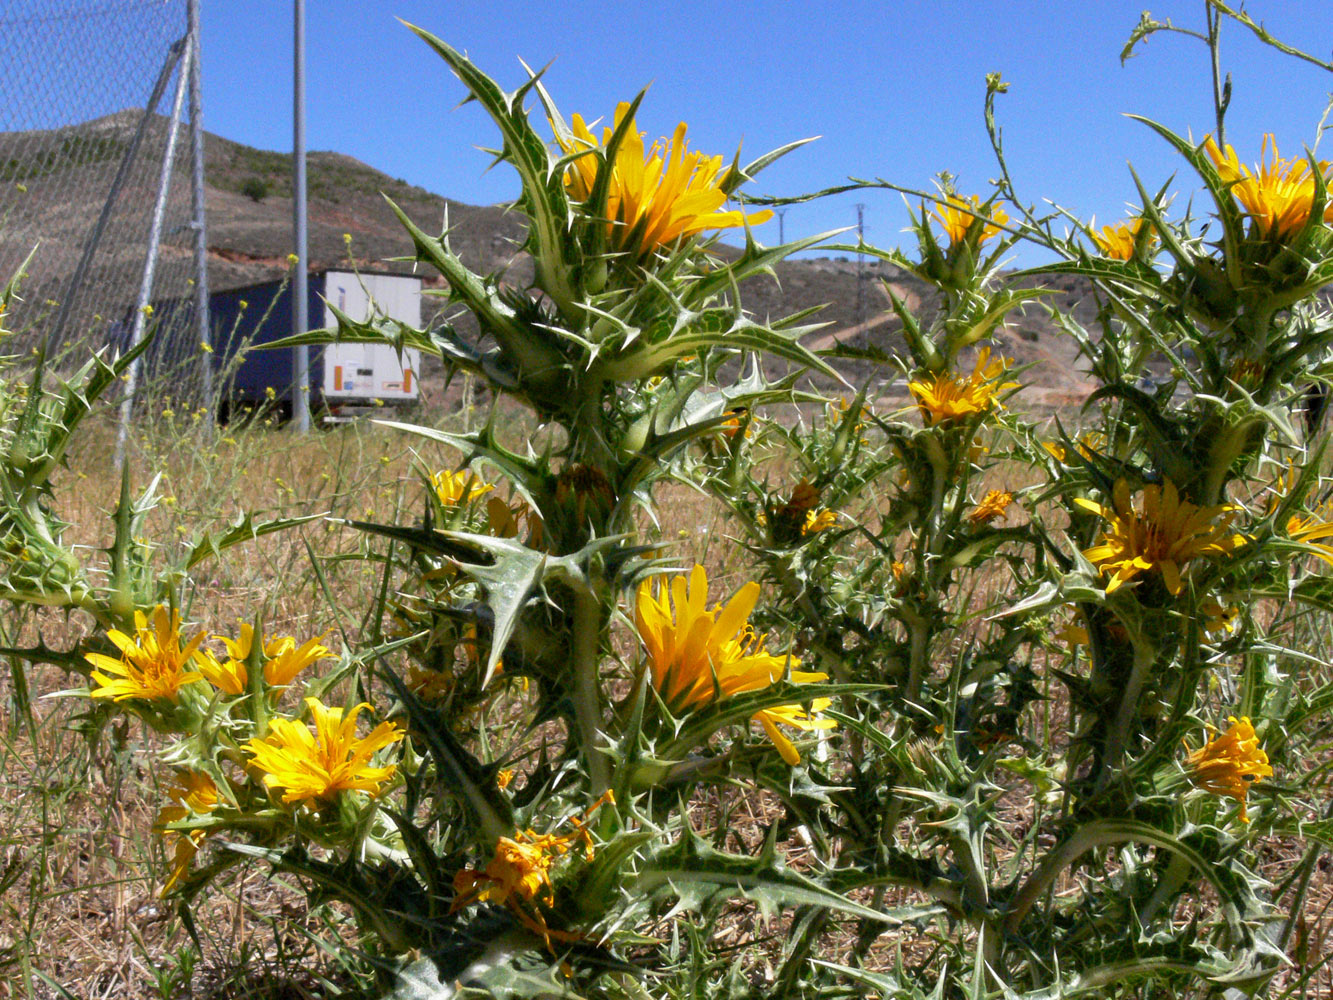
894, 89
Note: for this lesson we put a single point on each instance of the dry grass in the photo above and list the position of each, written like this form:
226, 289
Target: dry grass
79, 867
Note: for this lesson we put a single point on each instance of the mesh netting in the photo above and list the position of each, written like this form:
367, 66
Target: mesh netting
86, 98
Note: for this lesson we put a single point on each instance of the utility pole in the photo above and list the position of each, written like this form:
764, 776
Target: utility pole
860, 264
782, 227
300, 290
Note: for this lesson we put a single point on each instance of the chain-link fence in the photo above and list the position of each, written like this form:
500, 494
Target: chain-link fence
95, 106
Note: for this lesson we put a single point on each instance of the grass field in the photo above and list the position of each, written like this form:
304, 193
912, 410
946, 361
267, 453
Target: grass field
80, 869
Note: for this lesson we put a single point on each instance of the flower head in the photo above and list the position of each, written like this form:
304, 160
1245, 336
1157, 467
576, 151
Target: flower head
458, 487
1279, 194
283, 660
993, 505
949, 397
1229, 762
519, 873
656, 195
1161, 536
193, 794
697, 655
1118, 241
307, 766
153, 663
957, 215
816, 521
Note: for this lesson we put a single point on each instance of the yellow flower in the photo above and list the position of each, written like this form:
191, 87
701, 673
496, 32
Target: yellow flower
453, 487
1279, 195
1229, 762
519, 873
1163, 535
1118, 241
948, 397
287, 659
1218, 619
1308, 528
656, 195
1073, 634
818, 521
229, 677
957, 215
152, 662
306, 766
504, 777
283, 660
993, 505
193, 794
696, 655
427, 684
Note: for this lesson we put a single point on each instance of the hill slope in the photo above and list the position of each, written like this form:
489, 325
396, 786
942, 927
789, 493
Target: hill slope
249, 238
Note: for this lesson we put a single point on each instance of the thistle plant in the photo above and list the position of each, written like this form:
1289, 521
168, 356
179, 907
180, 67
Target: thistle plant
1027, 696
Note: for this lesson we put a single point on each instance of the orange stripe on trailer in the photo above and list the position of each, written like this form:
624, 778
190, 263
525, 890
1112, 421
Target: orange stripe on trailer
337, 378
407, 380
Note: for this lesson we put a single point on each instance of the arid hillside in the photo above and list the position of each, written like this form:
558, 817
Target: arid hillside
249, 237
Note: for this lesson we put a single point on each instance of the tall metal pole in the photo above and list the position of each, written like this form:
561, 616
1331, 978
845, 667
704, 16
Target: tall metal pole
199, 222
300, 307
150, 261
860, 264
782, 226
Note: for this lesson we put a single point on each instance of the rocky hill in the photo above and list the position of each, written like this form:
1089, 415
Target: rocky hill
249, 236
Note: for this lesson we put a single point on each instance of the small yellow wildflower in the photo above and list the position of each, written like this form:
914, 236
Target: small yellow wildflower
1163, 535
194, 794
696, 654
455, 487
1118, 241
949, 397
1229, 762
152, 665
957, 215
1279, 194
656, 195
504, 777
818, 521
994, 504
306, 767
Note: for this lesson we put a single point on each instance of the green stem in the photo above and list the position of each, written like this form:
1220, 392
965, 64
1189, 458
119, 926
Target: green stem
918, 654
1145, 654
587, 691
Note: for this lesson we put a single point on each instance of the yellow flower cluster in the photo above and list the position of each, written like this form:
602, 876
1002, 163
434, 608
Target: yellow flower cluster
519, 873
994, 504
